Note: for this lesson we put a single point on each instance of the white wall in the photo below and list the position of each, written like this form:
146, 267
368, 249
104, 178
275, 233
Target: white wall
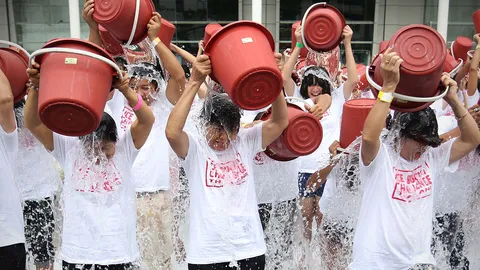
3, 21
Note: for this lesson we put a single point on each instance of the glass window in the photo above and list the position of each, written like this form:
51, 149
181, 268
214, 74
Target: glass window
353, 10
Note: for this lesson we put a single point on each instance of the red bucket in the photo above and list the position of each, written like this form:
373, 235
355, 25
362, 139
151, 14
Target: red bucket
424, 52
14, 63
73, 88
210, 30
362, 84
452, 65
460, 47
303, 51
322, 27
302, 136
355, 112
242, 60
476, 20
383, 46
111, 45
117, 16
167, 31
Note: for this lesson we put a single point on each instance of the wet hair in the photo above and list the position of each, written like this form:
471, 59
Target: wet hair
106, 131
18, 108
420, 126
220, 111
144, 70
121, 62
311, 79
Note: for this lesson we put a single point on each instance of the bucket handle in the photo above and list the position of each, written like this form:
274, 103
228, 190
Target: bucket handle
456, 69
303, 23
15, 45
470, 54
404, 97
299, 100
75, 51
135, 22
451, 49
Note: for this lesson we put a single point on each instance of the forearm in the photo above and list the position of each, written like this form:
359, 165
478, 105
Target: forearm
280, 111
32, 120
288, 69
473, 77
171, 63
144, 113
179, 114
95, 37
352, 77
184, 54
375, 121
467, 126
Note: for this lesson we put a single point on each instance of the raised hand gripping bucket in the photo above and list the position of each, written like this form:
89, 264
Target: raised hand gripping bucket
111, 45
424, 51
302, 136
355, 112
242, 60
125, 20
476, 20
14, 63
167, 31
76, 77
210, 30
460, 47
322, 27
303, 51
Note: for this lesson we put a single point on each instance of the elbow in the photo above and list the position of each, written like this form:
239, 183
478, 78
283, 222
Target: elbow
180, 77
7, 101
171, 134
368, 138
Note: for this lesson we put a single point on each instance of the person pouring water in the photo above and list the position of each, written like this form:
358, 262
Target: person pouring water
394, 228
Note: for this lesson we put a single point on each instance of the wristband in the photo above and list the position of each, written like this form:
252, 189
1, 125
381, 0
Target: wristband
385, 97
139, 103
299, 45
155, 42
461, 117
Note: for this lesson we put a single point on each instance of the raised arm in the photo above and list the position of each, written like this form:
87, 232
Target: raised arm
32, 120
352, 77
87, 13
469, 134
288, 83
390, 70
7, 117
142, 126
178, 138
473, 77
184, 54
273, 127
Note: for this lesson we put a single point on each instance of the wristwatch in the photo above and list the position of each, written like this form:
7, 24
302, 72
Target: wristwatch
385, 97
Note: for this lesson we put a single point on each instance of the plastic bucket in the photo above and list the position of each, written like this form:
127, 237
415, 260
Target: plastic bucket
14, 63
322, 27
383, 46
167, 31
303, 51
362, 84
424, 52
452, 65
75, 83
355, 112
125, 20
210, 30
476, 20
111, 45
302, 136
460, 47
242, 60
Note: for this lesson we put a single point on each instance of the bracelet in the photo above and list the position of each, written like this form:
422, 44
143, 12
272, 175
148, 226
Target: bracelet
155, 42
461, 117
299, 45
139, 103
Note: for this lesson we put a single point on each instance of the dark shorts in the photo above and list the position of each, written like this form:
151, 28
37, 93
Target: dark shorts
13, 257
73, 266
302, 182
39, 228
255, 263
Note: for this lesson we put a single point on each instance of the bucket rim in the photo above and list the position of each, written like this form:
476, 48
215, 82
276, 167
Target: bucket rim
58, 41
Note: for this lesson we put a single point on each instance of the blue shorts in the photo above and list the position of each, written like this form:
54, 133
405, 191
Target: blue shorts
302, 182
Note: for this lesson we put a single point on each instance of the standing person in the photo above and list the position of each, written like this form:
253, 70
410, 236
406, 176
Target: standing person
99, 210
394, 229
12, 238
225, 228
37, 179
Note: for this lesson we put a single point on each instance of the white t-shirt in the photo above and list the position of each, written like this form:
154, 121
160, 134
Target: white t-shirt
36, 175
99, 210
11, 215
224, 221
331, 122
275, 181
394, 228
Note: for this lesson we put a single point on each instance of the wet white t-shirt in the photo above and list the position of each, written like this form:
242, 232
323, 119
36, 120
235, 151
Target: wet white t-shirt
394, 228
331, 122
275, 181
99, 204
224, 221
11, 215
36, 175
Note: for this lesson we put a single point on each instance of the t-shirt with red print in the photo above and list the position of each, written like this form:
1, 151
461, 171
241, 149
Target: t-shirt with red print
394, 228
224, 221
99, 211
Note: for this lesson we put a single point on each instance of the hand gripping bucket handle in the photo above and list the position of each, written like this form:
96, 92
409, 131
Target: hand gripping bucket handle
305, 19
75, 51
404, 97
15, 45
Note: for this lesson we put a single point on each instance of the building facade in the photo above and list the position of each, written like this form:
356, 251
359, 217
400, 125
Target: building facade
31, 23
